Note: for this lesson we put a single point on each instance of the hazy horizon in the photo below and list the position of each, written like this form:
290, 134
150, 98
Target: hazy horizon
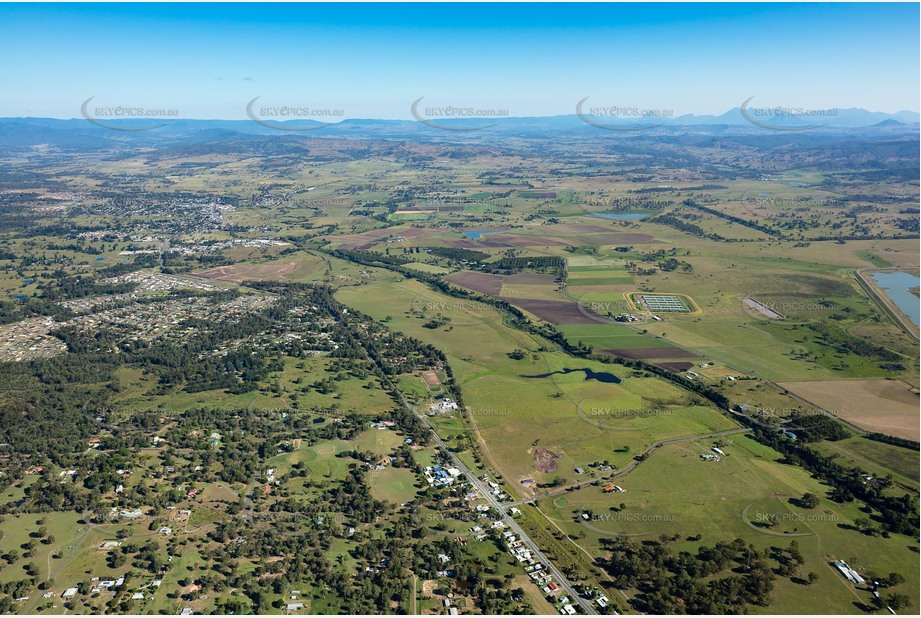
410, 118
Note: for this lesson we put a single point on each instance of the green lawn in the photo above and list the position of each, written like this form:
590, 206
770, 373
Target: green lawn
396, 485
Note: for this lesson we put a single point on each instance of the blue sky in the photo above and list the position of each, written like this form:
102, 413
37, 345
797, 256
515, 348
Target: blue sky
374, 60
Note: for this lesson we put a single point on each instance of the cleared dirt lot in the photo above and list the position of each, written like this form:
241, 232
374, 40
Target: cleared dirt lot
366, 240
431, 378
544, 460
886, 406
238, 273
754, 305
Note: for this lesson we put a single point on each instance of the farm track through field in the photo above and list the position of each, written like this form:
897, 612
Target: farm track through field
76, 547
482, 442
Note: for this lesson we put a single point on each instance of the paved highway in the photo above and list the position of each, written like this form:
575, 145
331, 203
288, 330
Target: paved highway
494, 503
503, 513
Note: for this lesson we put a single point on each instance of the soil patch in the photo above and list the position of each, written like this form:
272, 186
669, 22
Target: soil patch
544, 460
647, 353
478, 282
431, 378
557, 311
675, 367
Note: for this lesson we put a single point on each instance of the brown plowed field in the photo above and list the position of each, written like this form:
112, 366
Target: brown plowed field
556, 311
675, 367
478, 282
647, 353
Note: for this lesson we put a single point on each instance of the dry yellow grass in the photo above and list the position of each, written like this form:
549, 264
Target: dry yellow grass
886, 406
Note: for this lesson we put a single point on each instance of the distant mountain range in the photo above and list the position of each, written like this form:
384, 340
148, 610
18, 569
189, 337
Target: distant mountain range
85, 133
851, 118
